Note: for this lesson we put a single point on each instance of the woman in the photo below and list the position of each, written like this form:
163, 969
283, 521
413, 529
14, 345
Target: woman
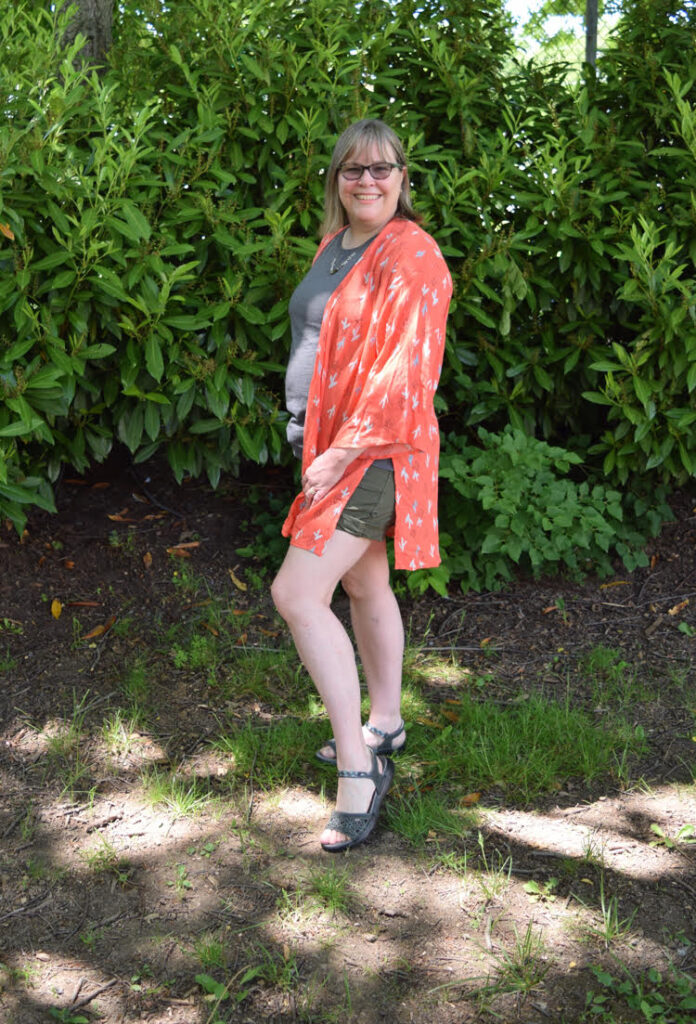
368, 336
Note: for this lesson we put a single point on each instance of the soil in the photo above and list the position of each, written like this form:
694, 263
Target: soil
421, 938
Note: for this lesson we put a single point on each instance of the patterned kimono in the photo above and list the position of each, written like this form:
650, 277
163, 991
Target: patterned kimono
375, 374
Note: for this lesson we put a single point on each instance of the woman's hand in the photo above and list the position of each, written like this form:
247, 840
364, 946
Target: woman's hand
326, 470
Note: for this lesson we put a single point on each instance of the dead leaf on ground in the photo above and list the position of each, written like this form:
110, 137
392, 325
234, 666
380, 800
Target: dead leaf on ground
470, 799
675, 609
56, 608
147, 560
236, 580
614, 583
99, 630
181, 550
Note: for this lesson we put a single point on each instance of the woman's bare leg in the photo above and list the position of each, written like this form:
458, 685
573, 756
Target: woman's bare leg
302, 593
379, 634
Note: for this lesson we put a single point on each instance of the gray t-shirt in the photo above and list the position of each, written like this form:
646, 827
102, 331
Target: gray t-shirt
306, 310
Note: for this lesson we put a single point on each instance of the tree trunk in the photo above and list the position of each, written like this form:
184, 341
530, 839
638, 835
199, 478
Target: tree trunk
591, 32
92, 19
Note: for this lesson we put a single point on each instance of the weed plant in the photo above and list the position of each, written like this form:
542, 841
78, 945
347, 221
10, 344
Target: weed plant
665, 998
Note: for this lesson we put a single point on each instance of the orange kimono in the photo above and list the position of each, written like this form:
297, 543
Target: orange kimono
376, 370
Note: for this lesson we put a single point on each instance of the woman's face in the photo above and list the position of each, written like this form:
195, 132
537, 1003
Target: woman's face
370, 203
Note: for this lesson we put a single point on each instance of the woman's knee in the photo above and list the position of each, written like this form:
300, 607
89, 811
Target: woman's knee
296, 597
284, 594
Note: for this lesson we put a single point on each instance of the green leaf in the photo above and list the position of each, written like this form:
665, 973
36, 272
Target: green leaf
153, 357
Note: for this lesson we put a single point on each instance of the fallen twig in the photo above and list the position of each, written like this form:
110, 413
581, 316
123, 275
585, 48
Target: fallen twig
89, 999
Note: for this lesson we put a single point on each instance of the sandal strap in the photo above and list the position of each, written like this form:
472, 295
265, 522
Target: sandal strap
387, 736
350, 825
374, 774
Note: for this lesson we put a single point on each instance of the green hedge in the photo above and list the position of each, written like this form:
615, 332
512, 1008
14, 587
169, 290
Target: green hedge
156, 217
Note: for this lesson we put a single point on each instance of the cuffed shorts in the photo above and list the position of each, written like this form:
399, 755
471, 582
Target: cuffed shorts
371, 507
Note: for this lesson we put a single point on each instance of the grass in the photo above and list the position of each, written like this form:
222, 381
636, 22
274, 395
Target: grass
323, 889
105, 859
470, 744
524, 966
611, 927
272, 754
181, 795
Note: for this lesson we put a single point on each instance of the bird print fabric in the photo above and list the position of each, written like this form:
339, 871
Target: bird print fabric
376, 371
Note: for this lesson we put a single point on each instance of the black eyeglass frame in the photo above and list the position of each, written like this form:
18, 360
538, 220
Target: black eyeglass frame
368, 167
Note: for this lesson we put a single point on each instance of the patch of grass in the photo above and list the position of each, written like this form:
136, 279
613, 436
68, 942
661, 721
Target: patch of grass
181, 795
66, 1015
64, 747
526, 750
27, 826
322, 890
523, 967
655, 996
203, 652
274, 677
105, 859
614, 682
275, 754
118, 730
7, 662
185, 579
123, 542
612, 926
135, 687
495, 876
451, 860
420, 817
330, 889
210, 950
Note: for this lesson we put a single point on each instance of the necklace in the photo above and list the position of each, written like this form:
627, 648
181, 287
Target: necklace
336, 266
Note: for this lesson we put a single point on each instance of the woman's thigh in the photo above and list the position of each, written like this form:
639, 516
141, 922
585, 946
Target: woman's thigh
305, 578
370, 574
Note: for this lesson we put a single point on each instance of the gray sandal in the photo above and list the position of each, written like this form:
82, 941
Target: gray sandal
385, 747
359, 826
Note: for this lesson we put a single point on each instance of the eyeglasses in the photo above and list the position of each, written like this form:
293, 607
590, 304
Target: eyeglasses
378, 171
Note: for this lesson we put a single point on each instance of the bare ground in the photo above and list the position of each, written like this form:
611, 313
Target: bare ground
420, 938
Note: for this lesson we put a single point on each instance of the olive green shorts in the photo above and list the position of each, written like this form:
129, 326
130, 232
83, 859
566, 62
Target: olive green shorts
370, 509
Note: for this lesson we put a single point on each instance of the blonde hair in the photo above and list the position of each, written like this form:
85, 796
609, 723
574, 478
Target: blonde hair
358, 136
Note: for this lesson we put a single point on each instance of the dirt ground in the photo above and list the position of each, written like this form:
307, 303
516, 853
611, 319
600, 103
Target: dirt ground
420, 937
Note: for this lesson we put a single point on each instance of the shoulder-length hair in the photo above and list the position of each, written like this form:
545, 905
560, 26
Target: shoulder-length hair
356, 137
